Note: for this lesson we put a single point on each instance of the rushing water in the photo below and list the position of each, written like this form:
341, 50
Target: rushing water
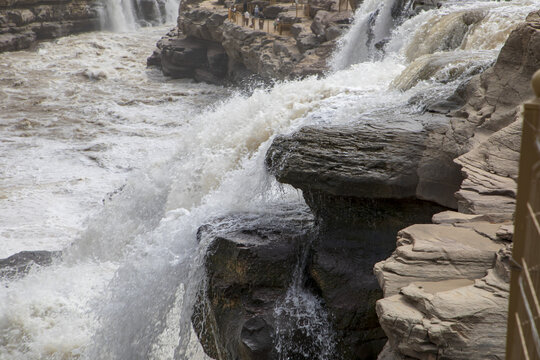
119, 166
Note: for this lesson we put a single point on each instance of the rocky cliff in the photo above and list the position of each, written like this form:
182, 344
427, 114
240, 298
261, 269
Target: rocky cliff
445, 284
457, 309
24, 22
204, 29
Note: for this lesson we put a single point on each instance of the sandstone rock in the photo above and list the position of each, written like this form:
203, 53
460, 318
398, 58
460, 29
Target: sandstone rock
453, 217
449, 319
300, 28
335, 31
491, 170
314, 61
318, 26
431, 252
307, 42
492, 98
272, 11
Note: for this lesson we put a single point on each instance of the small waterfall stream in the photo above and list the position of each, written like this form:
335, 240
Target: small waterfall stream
125, 15
303, 329
148, 160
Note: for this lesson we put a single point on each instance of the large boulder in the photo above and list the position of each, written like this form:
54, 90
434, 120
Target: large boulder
250, 265
181, 57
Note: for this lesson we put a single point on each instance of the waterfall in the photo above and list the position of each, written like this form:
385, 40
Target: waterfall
371, 28
127, 15
303, 330
125, 286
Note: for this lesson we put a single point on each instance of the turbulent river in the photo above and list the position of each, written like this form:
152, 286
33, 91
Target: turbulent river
118, 166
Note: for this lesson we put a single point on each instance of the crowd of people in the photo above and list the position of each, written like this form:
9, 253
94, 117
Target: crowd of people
249, 18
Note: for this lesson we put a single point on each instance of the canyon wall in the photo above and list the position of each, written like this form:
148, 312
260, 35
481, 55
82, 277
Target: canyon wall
24, 22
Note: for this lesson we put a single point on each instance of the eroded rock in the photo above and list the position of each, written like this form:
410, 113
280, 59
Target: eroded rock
449, 319
437, 252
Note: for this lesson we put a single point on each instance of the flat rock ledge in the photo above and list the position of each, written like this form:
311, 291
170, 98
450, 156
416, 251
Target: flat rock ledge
446, 289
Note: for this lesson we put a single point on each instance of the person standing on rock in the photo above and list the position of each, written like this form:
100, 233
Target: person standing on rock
256, 11
261, 20
246, 18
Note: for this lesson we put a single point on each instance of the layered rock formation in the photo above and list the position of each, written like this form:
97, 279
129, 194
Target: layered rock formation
24, 22
457, 309
250, 51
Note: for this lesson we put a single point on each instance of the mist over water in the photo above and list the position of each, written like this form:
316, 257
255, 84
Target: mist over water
119, 166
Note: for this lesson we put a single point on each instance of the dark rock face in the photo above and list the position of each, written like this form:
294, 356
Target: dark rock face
348, 161
365, 161
355, 233
181, 57
363, 184
252, 264
23, 23
20, 264
249, 266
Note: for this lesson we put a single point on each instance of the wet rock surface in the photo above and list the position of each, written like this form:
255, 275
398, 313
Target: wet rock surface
21, 263
446, 282
23, 23
250, 265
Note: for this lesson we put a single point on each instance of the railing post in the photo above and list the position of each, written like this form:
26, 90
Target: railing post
526, 243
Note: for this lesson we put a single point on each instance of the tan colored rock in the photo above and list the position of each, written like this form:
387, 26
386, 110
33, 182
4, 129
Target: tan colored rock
450, 319
430, 252
491, 171
454, 217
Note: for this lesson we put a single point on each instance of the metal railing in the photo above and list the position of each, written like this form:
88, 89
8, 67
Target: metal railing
523, 340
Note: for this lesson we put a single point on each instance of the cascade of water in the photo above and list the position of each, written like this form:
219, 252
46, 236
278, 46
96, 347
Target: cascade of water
119, 15
302, 327
127, 15
373, 22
